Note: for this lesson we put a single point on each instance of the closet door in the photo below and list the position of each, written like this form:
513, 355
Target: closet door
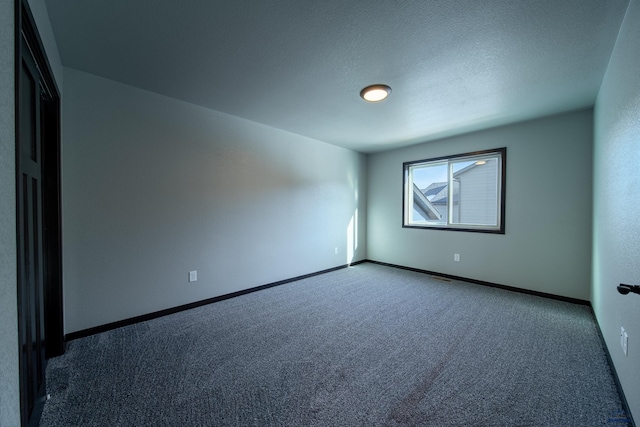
38, 218
30, 237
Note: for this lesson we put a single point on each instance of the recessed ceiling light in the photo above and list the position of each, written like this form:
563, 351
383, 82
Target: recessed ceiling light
375, 93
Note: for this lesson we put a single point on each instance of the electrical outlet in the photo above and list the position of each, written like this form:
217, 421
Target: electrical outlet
456, 257
335, 251
624, 341
193, 276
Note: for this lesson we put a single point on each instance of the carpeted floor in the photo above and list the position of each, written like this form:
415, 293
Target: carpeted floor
368, 345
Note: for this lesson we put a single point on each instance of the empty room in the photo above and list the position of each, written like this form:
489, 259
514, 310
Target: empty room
334, 213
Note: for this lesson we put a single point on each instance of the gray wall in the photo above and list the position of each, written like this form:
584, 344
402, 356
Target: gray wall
9, 391
616, 225
154, 187
547, 243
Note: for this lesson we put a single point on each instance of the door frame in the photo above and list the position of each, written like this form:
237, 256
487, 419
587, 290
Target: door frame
25, 29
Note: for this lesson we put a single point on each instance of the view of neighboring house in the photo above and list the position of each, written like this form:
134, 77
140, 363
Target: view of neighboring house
474, 198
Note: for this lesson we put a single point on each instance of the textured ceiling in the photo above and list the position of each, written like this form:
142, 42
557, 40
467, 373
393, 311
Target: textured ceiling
299, 65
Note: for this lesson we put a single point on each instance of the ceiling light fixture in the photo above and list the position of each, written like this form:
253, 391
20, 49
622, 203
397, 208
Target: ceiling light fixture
375, 93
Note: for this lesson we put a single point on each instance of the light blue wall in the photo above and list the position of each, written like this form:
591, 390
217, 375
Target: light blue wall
616, 225
547, 243
129, 242
154, 187
9, 389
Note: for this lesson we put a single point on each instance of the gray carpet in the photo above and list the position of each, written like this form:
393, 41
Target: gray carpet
365, 346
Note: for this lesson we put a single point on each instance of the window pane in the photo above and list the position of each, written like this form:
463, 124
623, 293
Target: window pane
475, 195
462, 192
430, 201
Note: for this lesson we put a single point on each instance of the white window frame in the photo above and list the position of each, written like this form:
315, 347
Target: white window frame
411, 194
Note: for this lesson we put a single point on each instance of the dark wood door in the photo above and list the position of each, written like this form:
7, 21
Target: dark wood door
38, 213
32, 95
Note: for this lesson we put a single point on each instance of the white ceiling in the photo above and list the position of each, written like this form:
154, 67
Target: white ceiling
299, 65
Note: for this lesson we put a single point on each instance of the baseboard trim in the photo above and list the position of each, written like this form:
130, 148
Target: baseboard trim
131, 321
483, 283
625, 418
142, 318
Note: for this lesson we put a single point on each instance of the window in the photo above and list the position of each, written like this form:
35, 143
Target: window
464, 192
